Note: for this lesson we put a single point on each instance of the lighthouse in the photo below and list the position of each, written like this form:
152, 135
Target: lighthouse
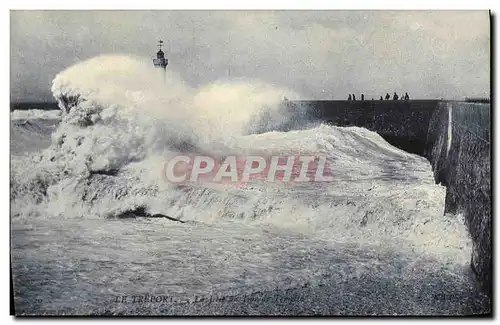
160, 62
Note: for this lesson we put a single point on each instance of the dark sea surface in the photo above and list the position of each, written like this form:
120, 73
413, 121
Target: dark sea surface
22, 106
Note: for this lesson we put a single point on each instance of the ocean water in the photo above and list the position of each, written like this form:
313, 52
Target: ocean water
374, 240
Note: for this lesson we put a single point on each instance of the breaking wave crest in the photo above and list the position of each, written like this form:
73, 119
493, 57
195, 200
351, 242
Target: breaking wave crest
35, 114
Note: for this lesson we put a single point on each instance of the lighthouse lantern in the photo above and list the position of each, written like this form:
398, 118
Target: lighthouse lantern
160, 61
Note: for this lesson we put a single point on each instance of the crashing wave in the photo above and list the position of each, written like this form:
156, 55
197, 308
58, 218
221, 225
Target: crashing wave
119, 126
118, 123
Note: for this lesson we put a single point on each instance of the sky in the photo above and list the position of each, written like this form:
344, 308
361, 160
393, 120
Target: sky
317, 54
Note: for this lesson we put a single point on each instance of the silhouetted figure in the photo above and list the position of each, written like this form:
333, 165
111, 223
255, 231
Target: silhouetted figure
387, 96
395, 97
353, 97
349, 98
407, 97
362, 96
381, 98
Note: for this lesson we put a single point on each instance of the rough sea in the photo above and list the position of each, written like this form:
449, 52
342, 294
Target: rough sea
374, 241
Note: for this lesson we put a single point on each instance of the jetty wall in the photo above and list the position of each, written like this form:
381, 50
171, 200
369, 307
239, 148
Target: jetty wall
455, 138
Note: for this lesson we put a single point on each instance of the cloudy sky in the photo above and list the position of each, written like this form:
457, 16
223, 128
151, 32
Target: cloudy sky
319, 54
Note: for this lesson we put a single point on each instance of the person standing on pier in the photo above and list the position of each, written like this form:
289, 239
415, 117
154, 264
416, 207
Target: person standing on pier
353, 97
362, 96
395, 96
349, 98
407, 97
387, 96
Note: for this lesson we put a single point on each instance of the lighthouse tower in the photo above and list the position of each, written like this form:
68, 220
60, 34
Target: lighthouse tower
160, 62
